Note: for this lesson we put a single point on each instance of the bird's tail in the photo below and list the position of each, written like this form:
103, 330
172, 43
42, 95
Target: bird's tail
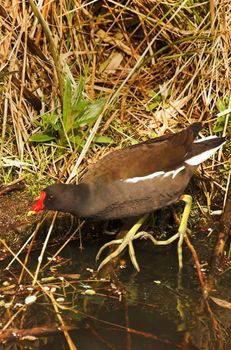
202, 149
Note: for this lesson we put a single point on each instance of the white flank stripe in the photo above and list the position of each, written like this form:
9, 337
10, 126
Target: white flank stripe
196, 160
156, 174
174, 172
143, 178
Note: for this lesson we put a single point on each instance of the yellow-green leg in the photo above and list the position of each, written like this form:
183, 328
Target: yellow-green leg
183, 226
123, 242
133, 235
181, 231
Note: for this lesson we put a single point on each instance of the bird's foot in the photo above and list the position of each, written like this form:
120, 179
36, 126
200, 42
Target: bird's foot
133, 235
123, 243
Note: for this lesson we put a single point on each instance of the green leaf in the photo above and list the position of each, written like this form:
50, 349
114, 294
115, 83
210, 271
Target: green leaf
221, 105
219, 125
67, 115
103, 139
78, 94
133, 141
49, 120
153, 135
41, 137
78, 110
78, 140
152, 106
91, 112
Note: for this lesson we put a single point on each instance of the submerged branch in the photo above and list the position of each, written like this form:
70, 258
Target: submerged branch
13, 334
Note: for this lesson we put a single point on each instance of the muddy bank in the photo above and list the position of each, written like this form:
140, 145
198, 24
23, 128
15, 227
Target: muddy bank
16, 226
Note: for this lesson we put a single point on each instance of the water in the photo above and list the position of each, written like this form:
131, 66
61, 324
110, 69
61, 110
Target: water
150, 310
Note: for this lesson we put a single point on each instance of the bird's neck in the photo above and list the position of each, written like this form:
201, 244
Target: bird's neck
76, 199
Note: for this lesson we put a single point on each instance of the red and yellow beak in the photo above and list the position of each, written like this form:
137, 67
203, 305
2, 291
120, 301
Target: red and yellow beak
38, 206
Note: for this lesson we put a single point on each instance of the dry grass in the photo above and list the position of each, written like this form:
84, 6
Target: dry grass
158, 65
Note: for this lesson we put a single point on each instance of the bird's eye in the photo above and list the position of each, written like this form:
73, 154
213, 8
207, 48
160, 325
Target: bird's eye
50, 197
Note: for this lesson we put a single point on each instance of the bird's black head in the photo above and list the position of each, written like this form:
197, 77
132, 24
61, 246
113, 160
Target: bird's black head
60, 197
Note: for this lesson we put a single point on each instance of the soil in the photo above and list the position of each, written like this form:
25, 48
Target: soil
14, 223
16, 226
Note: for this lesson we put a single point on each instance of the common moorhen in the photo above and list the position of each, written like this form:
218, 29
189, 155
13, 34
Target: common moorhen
134, 181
